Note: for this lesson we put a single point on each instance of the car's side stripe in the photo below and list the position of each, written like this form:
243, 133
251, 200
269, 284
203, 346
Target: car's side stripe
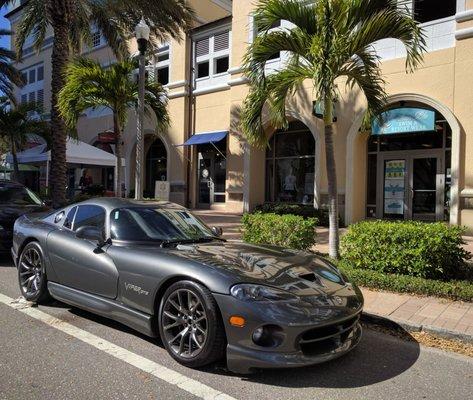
191, 386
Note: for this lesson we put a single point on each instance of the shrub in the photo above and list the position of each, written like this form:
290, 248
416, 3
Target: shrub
302, 210
425, 250
289, 231
454, 290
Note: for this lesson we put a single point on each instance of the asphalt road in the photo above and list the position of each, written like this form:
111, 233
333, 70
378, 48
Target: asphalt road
38, 360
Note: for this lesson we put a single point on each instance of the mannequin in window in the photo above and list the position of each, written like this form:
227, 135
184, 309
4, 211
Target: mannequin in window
290, 184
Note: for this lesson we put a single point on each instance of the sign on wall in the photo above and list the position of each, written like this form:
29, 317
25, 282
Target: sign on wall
404, 120
394, 186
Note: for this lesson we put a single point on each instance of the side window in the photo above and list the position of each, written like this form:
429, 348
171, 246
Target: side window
70, 218
89, 216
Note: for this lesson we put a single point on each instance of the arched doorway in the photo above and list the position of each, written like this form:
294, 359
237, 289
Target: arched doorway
290, 165
156, 166
411, 164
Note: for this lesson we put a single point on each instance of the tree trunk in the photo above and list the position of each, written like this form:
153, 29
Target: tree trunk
16, 169
118, 152
332, 181
59, 59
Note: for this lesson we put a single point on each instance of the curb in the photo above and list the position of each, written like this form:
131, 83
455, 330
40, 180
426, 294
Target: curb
396, 324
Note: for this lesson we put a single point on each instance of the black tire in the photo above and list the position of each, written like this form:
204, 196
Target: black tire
32, 274
213, 346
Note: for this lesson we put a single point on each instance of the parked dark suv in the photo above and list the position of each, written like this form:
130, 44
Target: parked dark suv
15, 200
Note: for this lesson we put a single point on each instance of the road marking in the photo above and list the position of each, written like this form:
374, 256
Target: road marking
191, 386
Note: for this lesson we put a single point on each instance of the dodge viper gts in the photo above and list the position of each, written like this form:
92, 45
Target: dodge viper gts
157, 268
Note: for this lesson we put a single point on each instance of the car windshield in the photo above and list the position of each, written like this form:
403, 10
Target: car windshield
144, 224
18, 196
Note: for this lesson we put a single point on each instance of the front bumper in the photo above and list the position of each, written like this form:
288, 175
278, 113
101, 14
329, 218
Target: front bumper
243, 360
311, 334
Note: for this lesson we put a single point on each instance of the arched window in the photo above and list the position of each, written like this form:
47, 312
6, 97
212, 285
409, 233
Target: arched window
156, 166
290, 165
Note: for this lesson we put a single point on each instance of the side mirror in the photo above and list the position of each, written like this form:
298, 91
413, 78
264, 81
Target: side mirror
217, 231
91, 233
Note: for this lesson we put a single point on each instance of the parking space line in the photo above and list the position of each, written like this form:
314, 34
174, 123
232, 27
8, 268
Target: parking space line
168, 375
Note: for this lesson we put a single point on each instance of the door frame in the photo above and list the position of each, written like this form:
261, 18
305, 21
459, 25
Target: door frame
409, 156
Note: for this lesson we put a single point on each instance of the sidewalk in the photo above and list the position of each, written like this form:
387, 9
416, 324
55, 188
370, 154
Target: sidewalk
453, 319
438, 316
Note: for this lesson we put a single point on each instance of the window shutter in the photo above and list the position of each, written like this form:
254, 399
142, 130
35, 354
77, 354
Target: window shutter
202, 47
40, 98
24, 98
403, 4
221, 41
32, 97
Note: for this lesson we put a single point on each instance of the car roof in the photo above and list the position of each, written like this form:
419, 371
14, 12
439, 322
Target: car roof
112, 203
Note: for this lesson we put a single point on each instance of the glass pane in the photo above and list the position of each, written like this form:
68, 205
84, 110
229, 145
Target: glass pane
89, 216
163, 75
372, 172
424, 181
425, 11
221, 65
294, 180
422, 141
290, 144
269, 180
203, 69
448, 183
220, 173
204, 180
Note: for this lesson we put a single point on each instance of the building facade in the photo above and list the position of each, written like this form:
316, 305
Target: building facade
418, 165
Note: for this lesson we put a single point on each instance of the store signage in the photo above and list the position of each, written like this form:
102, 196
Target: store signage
318, 109
404, 120
107, 137
394, 187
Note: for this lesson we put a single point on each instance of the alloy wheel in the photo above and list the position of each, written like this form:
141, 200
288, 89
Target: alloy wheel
184, 323
31, 272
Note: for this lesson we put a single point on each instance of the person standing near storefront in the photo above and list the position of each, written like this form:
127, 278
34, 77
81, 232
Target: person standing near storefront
85, 181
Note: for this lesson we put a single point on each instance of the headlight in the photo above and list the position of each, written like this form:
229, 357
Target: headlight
250, 292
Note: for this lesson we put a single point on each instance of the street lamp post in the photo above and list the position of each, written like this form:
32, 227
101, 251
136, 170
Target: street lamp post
142, 36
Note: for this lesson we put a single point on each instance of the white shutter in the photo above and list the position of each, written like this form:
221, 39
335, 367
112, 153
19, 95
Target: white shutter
402, 4
202, 47
221, 41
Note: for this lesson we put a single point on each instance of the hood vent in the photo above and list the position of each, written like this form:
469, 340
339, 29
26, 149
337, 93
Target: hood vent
311, 277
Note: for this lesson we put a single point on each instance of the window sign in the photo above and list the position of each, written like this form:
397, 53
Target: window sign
394, 187
404, 120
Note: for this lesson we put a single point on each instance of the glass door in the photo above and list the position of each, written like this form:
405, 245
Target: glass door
205, 193
426, 188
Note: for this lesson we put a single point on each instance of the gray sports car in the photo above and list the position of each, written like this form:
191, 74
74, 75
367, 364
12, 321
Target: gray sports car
160, 270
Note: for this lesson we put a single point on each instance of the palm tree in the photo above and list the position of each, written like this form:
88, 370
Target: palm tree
9, 75
72, 22
89, 85
331, 44
16, 124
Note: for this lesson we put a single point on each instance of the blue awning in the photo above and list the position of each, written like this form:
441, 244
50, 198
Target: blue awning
204, 138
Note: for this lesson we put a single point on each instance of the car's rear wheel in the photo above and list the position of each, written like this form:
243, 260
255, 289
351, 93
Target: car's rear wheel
32, 274
190, 324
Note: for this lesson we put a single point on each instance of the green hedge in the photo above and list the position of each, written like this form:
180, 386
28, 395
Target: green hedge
289, 231
424, 250
454, 290
302, 210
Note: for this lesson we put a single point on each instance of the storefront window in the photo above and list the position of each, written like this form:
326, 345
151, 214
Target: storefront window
290, 165
156, 166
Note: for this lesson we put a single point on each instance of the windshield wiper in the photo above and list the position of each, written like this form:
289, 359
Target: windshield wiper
203, 239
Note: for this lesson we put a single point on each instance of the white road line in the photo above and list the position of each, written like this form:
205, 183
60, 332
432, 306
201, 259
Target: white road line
191, 386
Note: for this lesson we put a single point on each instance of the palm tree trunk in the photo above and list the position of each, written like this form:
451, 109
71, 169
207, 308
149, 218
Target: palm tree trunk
16, 169
331, 181
118, 152
59, 58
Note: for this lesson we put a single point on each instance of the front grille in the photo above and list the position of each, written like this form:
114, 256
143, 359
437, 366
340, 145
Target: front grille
327, 338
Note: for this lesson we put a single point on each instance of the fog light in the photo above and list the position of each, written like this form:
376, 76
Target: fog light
268, 336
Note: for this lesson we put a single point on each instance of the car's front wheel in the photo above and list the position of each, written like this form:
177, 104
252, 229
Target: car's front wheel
32, 274
190, 324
